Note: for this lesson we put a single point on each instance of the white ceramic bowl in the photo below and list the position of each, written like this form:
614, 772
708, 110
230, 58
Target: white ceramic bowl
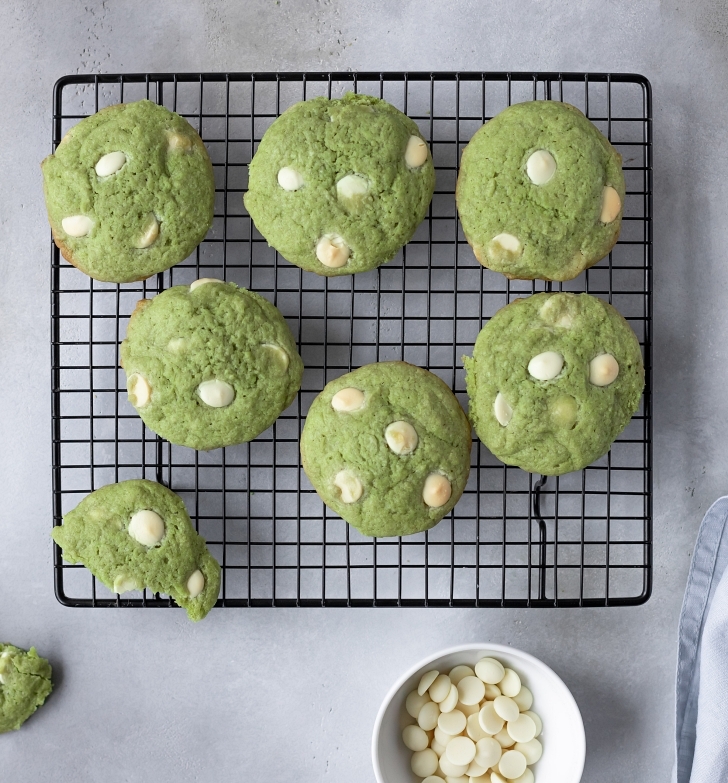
564, 743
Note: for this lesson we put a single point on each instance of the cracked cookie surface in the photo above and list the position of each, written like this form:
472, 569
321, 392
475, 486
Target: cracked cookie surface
130, 192
387, 447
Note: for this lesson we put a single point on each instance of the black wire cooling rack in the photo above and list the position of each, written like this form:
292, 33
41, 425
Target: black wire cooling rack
514, 539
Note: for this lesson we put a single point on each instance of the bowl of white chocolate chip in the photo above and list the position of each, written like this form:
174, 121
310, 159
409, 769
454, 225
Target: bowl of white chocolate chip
479, 714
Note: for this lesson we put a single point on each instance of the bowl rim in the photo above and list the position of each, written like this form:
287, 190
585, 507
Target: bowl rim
579, 741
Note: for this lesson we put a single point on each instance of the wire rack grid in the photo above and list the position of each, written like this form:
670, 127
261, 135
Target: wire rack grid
514, 539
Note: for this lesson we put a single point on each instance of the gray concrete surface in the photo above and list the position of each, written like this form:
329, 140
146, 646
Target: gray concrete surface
291, 695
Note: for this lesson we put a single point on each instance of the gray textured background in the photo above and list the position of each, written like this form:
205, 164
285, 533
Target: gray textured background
292, 694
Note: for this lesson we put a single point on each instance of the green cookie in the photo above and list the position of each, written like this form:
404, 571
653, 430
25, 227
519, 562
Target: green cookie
339, 186
540, 192
25, 682
136, 535
130, 192
553, 380
210, 364
387, 447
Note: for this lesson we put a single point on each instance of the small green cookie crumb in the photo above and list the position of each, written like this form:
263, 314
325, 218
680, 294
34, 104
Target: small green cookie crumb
25, 682
137, 534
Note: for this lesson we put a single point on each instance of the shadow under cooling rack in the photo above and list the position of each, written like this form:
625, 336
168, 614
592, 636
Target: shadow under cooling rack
514, 539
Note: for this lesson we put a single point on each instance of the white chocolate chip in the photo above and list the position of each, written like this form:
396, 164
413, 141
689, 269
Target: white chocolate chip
442, 736
290, 179
502, 410
178, 141
415, 702
474, 729
401, 437
451, 723
564, 411
545, 367
438, 747
437, 491
504, 738
458, 672
489, 720
526, 777
468, 709
611, 205
415, 738
196, 583
426, 680
280, 354
496, 777
450, 701
565, 321
149, 237
460, 751
203, 281
487, 752
348, 400
349, 486
216, 393
524, 699
138, 389
424, 762
352, 186
77, 225
428, 715
110, 163
471, 690
440, 688
332, 251
451, 769
522, 729
540, 167
491, 691
416, 153
510, 685
512, 764
147, 527
475, 770
537, 721
489, 670
531, 750
603, 369
506, 708
123, 583
433, 779
508, 242
176, 344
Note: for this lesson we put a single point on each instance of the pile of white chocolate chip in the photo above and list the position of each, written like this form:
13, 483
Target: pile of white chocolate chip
473, 726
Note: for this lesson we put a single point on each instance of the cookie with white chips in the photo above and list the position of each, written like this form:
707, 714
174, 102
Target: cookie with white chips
553, 380
209, 364
540, 192
136, 535
387, 447
339, 186
130, 192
